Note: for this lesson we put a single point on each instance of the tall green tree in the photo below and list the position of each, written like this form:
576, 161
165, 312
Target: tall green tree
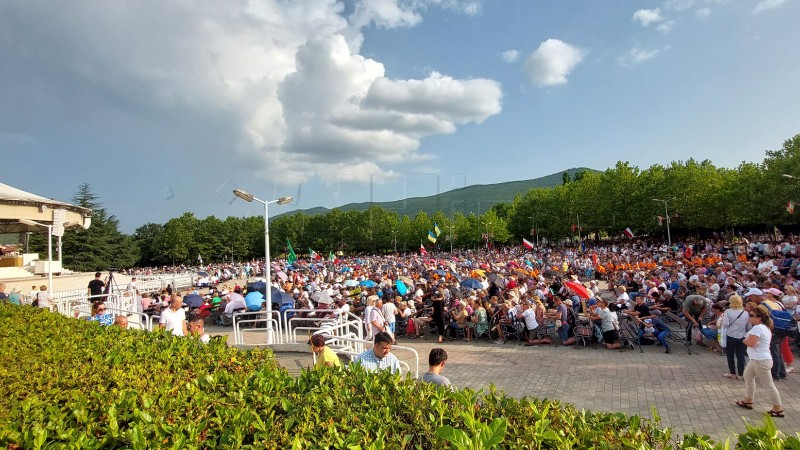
100, 247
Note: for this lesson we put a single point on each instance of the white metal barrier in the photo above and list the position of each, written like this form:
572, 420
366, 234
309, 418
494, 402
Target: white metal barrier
325, 323
255, 318
353, 347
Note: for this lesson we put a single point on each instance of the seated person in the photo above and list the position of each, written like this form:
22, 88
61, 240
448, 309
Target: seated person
459, 323
607, 324
121, 321
479, 323
99, 314
197, 328
654, 327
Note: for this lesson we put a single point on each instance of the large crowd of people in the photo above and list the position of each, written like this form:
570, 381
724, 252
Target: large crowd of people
737, 296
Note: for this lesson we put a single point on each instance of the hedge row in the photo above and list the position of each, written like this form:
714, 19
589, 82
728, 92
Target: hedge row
67, 383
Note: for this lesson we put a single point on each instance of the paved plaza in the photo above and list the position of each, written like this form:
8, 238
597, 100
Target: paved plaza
688, 391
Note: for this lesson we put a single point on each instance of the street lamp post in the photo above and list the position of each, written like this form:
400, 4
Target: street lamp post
394, 238
666, 212
248, 197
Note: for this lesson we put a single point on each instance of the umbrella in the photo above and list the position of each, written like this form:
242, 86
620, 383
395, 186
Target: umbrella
580, 289
471, 283
282, 298
346, 269
282, 275
203, 273
193, 301
521, 272
480, 272
322, 297
258, 286
350, 283
457, 292
402, 289
254, 300
440, 272
368, 284
497, 280
408, 281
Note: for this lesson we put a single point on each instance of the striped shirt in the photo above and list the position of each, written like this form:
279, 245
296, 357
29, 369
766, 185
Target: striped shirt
369, 361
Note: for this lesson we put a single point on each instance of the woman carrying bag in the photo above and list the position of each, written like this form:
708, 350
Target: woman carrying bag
734, 321
760, 364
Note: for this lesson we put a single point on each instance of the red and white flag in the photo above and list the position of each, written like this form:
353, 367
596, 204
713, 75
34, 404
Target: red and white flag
527, 243
790, 207
422, 250
628, 233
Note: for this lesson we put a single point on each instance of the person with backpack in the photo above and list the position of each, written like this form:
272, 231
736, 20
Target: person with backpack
782, 327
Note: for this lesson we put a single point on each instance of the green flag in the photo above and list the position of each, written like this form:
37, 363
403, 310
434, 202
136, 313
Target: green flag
331, 257
290, 256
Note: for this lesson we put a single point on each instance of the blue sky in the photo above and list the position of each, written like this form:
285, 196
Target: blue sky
165, 107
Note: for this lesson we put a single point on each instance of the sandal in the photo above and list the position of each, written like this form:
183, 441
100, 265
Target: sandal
745, 405
773, 413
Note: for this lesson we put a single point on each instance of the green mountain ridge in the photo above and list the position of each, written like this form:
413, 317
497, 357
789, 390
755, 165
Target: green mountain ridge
477, 198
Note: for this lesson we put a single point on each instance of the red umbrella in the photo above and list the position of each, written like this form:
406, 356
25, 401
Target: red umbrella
580, 289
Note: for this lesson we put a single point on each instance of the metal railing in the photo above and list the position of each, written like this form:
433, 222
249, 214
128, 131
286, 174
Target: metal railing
142, 322
255, 318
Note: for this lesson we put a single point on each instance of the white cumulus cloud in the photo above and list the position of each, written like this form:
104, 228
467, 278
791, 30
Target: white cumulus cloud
552, 62
509, 55
283, 82
647, 17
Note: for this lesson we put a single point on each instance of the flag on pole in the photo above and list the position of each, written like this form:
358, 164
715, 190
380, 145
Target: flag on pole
436, 229
527, 243
291, 258
790, 207
431, 236
422, 250
313, 254
628, 233
331, 256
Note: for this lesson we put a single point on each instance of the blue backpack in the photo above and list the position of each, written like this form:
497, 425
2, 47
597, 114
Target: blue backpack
784, 323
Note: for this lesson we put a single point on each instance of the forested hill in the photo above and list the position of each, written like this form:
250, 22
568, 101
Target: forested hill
476, 199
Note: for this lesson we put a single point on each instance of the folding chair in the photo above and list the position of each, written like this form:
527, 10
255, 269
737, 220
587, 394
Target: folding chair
629, 336
680, 328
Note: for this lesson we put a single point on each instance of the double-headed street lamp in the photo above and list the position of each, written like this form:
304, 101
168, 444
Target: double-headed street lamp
248, 197
666, 213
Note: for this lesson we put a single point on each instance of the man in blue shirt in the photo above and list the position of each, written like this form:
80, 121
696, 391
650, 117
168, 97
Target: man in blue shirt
380, 356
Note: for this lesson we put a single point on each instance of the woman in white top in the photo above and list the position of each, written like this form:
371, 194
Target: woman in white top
757, 342
735, 320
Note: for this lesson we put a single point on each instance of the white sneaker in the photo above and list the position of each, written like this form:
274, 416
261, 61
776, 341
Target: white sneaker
789, 369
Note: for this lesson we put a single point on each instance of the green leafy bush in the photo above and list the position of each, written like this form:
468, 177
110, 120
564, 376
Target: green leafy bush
67, 383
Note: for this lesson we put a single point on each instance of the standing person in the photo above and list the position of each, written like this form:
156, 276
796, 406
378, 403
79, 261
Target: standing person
390, 314
375, 321
436, 359
438, 314
757, 341
174, 317
95, 288
42, 298
529, 316
735, 320
379, 357
694, 308
325, 356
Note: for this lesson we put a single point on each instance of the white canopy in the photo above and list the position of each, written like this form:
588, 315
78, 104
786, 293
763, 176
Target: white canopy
22, 211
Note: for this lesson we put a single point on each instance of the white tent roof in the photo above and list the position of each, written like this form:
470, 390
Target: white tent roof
22, 211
